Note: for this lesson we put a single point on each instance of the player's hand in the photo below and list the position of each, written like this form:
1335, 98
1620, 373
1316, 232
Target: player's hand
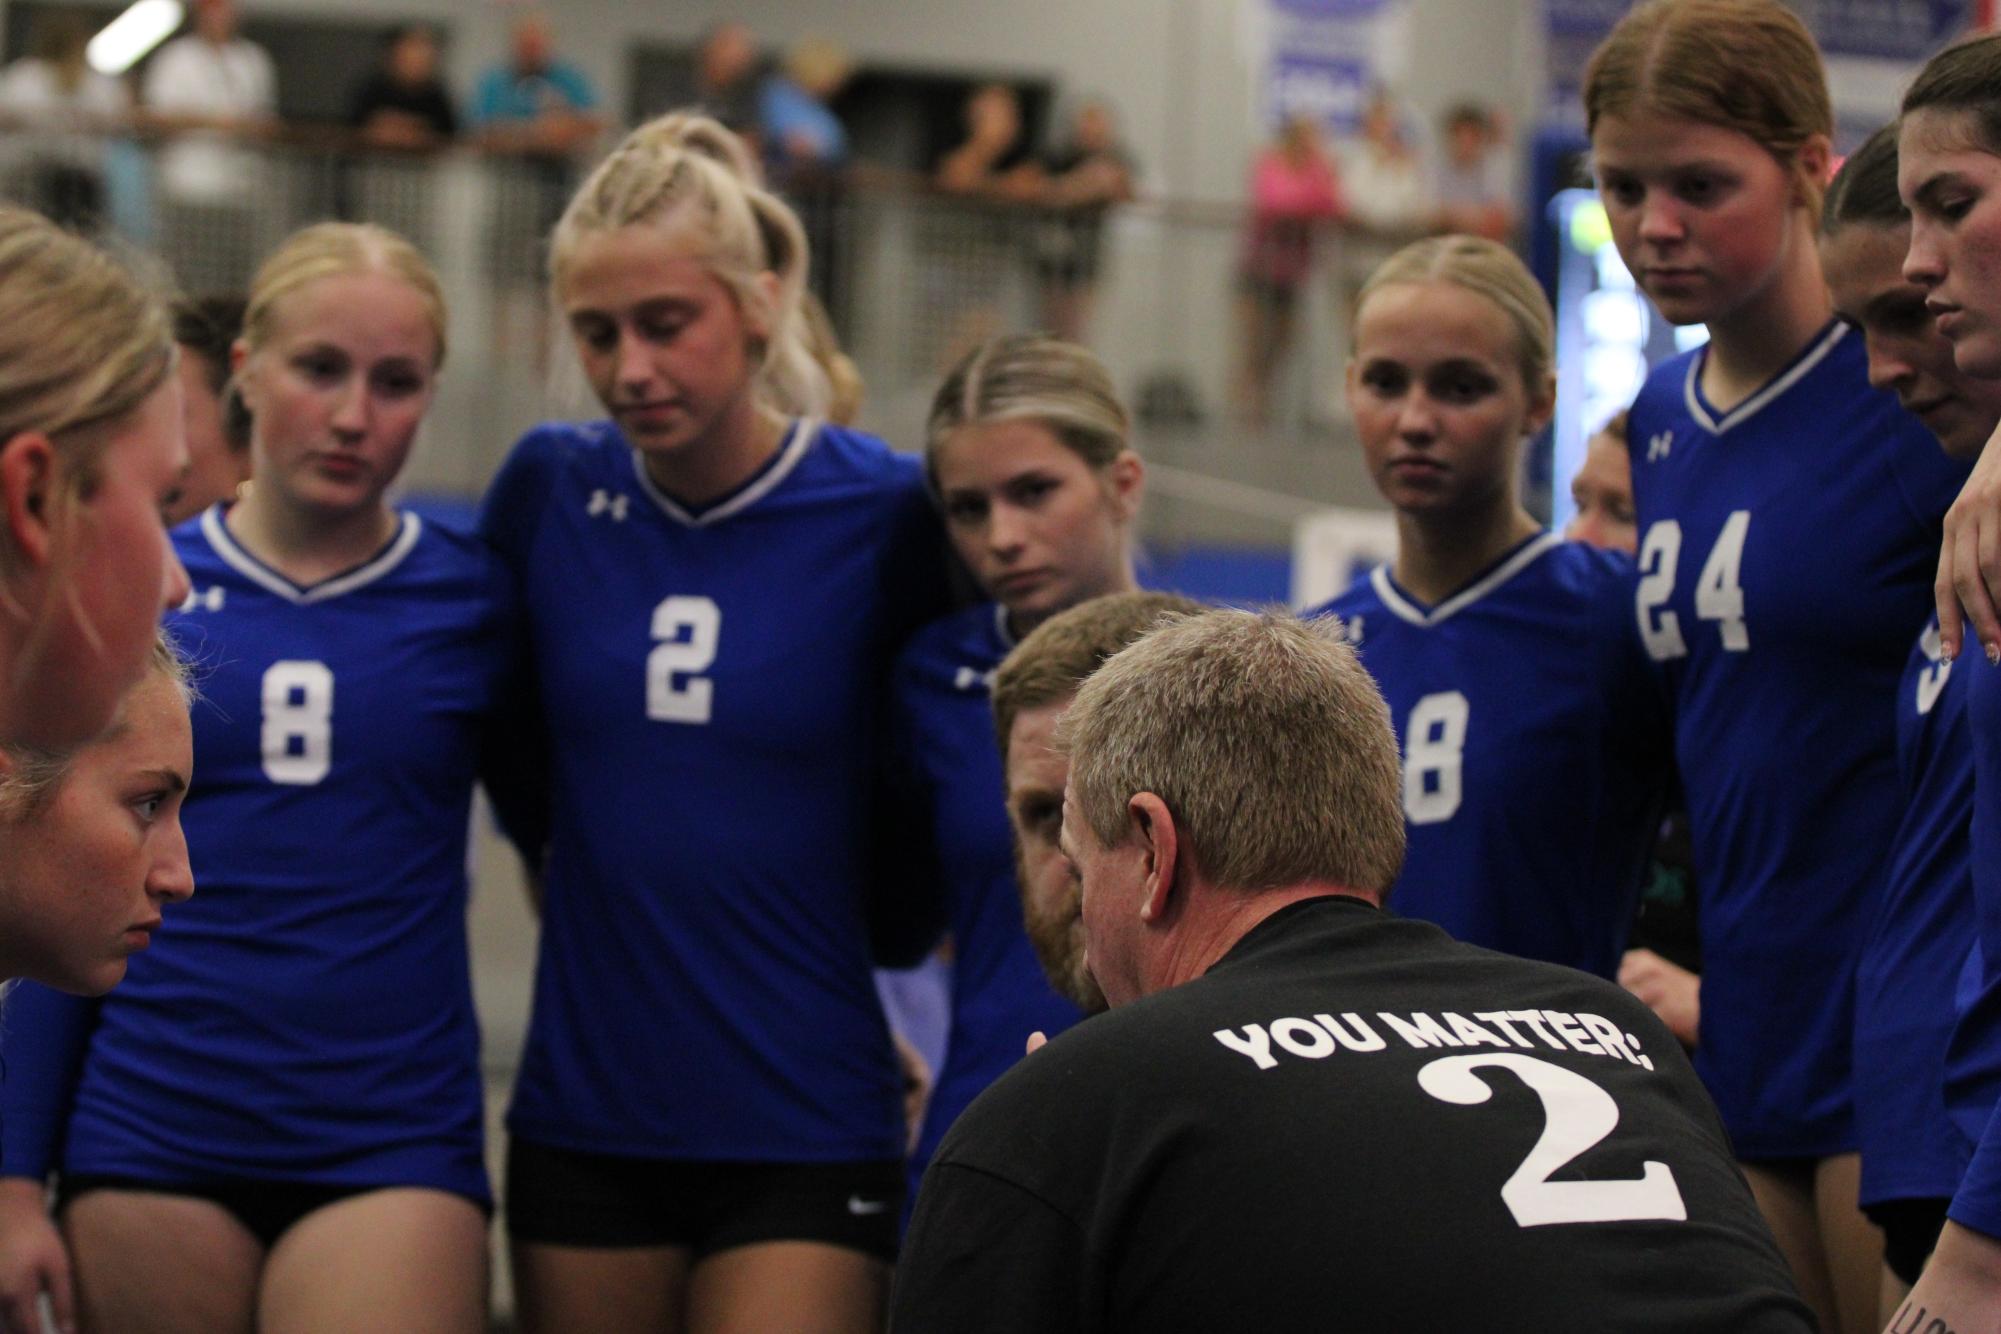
1669, 990
1036, 1040
1961, 1287
1969, 560
33, 1261
916, 1085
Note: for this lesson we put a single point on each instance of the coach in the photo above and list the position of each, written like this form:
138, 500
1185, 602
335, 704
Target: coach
1302, 1113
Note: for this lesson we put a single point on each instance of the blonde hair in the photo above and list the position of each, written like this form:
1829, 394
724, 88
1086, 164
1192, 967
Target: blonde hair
335, 249
1057, 655
686, 170
82, 342
1266, 739
1744, 65
1488, 270
1032, 377
33, 773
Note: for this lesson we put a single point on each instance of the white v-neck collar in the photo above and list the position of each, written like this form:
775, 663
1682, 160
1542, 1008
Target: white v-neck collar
1405, 609
409, 529
1743, 412
759, 487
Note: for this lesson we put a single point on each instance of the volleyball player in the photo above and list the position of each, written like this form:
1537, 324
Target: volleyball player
1916, 942
1788, 513
91, 451
1949, 173
706, 1130
277, 1119
1532, 731
218, 430
1027, 452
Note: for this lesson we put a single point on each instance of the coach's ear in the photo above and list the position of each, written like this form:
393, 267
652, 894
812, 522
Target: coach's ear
1151, 826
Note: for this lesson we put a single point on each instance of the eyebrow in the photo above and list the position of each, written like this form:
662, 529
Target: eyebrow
174, 781
1927, 193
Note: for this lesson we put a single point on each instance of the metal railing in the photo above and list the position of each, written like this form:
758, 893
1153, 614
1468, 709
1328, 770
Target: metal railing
911, 276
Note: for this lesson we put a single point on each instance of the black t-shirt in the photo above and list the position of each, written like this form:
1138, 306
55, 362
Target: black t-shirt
428, 102
1350, 1122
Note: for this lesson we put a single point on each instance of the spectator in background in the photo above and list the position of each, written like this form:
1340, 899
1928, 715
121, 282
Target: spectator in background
535, 103
1471, 185
1387, 191
218, 425
726, 78
796, 128
65, 107
402, 103
1295, 192
1085, 177
993, 159
213, 90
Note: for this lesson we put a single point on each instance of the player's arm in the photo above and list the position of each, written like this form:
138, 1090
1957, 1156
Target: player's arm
983, 1254
1960, 1290
906, 897
1969, 561
514, 747
47, 1035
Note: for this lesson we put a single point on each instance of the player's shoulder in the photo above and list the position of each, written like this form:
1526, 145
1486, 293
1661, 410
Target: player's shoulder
843, 454
554, 447
1359, 598
970, 636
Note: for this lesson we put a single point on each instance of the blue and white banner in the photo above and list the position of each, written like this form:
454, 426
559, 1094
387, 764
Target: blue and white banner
1324, 57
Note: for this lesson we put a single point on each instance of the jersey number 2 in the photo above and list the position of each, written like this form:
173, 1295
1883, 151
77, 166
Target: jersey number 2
1719, 591
1577, 1114
298, 722
1434, 756
676, 691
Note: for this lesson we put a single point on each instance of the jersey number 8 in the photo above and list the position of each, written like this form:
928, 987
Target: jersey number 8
298, 722
1434, 756
1719, 591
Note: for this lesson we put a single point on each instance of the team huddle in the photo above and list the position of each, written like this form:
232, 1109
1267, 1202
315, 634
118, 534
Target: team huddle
1283, 948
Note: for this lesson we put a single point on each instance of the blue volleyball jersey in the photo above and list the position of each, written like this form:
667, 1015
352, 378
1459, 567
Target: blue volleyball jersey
1974, 1058
1535, 753
944, 726
710, 685
1911, 957
1786, 556
308, 1016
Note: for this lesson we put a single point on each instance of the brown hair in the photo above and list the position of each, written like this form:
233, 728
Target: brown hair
1744, 65
1966, 77
1265, 737
1057, 655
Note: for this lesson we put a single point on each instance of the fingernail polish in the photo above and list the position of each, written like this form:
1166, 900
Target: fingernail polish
1994, 655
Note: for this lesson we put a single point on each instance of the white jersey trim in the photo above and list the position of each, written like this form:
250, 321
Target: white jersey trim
1000, 625
1405, 609
1744, 411
217, 532
795, 449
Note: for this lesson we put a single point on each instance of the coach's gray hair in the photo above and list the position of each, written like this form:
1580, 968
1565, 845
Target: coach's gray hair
1265, 737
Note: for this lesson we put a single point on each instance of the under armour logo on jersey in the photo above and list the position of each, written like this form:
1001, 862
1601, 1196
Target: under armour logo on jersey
603, 502
204, 600
1658, 446
968, 679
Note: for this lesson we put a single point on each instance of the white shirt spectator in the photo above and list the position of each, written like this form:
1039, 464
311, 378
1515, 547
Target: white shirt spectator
193, 76
59, 123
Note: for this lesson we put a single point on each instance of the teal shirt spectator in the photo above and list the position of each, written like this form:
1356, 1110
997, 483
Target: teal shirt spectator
507, 94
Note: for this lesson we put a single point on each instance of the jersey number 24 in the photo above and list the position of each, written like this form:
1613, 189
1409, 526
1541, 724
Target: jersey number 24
1719, 590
